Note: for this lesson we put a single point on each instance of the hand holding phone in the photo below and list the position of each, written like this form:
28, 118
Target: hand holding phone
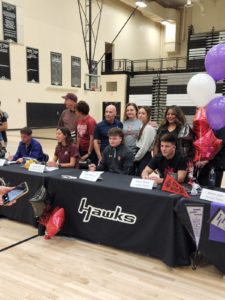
3, 190
15, 193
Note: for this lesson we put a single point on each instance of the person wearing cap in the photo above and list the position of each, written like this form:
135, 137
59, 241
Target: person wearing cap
68, 118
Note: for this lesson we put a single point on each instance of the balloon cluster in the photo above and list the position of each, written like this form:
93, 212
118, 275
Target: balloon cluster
201, 87
206, 145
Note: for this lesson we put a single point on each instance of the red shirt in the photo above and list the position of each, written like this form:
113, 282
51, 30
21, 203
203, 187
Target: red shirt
64, 153
85, 128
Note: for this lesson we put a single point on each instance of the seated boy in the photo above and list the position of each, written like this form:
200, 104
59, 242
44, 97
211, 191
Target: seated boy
169, 162
116, 157
28, 147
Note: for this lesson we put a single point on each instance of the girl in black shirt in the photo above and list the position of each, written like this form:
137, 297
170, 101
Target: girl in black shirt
175, 122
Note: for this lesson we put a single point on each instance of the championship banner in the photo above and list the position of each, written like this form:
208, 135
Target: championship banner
172, 186
217, 222
195, 214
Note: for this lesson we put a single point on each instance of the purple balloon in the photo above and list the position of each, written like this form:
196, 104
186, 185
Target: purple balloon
215, 62
215, 112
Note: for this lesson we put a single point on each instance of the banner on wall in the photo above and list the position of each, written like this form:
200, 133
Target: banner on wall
56, 68
4, 61
195, 214
75, 71
9, 22
217, 222
32, 65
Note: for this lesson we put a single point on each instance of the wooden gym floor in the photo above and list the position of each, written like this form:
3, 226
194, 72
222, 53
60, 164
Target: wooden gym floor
65, 268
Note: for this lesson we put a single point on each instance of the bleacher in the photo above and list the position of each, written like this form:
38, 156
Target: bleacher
162, 82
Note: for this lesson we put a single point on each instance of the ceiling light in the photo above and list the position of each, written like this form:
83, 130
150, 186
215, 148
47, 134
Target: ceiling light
189, 3
164, 22
140, 3
167, 22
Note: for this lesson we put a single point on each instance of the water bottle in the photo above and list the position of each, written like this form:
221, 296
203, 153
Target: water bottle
212, 179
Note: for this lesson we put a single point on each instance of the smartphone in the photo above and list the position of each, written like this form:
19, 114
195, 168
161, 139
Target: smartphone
15, 193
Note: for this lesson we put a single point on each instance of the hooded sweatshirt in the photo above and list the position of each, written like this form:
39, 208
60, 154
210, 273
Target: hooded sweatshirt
116, 160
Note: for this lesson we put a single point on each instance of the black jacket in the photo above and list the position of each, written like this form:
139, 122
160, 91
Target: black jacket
117, 160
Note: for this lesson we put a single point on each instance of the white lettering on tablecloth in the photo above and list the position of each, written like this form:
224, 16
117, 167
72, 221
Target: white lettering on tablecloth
116, 215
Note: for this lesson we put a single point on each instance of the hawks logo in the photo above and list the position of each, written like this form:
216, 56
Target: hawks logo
116, 215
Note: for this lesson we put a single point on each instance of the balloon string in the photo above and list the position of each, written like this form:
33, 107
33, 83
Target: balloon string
200, 140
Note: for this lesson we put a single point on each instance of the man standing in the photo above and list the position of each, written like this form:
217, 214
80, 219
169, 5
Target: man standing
85, 132
169, 161
68, 117
101, 139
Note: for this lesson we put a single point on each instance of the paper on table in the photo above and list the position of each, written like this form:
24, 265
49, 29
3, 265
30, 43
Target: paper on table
11, 162
50, 169
91, 175
2, 162
213, 196
142, 183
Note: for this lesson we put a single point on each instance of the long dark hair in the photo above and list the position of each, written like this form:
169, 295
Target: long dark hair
125, 109
65, 131
180, 117
148, 111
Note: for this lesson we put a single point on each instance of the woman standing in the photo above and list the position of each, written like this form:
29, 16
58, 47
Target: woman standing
175, 122
144, 141
131, 126
66, 153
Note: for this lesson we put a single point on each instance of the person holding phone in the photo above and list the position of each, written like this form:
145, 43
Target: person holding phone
3, 191
9, 195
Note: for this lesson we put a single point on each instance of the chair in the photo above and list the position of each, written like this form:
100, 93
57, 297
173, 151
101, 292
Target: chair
45, 157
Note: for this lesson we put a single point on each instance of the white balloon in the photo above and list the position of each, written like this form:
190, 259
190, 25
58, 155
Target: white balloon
201, 89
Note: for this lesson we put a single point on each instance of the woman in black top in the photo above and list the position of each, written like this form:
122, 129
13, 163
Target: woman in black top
175, 122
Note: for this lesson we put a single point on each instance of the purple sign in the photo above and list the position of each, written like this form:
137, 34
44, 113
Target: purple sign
217, 222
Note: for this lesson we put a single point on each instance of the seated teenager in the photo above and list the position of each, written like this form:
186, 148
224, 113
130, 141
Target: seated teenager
28, 147
66, 152
169, 161
116, 157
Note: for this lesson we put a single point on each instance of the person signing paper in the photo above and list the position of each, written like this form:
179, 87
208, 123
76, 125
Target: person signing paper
169, 162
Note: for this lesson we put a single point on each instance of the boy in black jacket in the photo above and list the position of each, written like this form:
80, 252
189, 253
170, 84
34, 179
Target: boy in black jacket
116, 157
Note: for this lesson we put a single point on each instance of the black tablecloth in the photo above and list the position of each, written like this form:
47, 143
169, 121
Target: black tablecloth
107, 212
15, 174
112, 213
212, 250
